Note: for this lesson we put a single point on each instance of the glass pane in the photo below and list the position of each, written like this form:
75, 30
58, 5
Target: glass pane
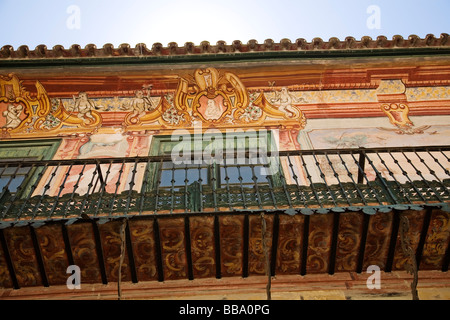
246, 174
15, 183
166, 178
180, 175
259, 170
193, 175
243, 171
231, 172
3, 182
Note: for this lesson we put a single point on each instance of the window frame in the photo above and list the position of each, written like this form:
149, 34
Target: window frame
158, 147
27, 150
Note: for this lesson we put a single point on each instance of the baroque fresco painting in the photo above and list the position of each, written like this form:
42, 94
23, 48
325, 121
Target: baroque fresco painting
122, 112
375, 137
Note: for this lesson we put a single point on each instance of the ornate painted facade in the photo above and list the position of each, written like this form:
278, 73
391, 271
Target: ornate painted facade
117, 102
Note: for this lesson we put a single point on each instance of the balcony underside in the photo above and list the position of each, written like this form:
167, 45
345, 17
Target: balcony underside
215, 245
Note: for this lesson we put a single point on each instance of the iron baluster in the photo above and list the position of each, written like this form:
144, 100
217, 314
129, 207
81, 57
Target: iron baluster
406, 175
118, 182
186, 180
46, 187
361, 172
283, 182
99, 178
158, 184
322, 175
255, 181
432, 172
200, 186
61, 188
448, 159
132, 183
271, 186
336, 175
144, 187
423, 178
350, 175
241, 185
75, 187
391, 196
172, 189
86, 201
103, 188
309, 177
361, 164
295, 177
227, 182
214, 183
437, 161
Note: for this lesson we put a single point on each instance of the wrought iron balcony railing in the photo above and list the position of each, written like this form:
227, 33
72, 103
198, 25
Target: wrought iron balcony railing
308, 181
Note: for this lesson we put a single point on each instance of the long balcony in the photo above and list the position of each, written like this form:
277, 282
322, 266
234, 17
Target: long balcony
319, 211
307, 182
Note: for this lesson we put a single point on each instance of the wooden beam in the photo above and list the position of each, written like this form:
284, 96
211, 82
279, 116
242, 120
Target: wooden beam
8, 259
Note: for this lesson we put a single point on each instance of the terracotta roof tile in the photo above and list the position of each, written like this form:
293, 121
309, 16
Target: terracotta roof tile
189, 48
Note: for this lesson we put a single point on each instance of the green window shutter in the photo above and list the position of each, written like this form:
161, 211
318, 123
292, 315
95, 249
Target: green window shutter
235, 142
27, 150
39, 149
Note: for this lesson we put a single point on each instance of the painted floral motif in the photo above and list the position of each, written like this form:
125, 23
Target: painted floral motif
336, 96
172, 116
202, 240
427, 93
251, 113
142, 235
173, 248
438, 234
82, 243
290, 244
51, 122
349, 141
349, 240
53, 253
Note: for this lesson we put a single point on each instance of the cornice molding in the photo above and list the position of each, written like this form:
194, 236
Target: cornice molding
252, 48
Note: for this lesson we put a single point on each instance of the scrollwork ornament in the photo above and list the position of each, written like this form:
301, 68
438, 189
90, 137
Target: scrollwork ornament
410, 267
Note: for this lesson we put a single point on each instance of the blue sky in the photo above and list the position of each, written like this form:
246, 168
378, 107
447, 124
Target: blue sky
68, 22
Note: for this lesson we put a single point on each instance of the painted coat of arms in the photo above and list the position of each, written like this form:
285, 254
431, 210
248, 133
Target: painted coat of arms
211, 95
